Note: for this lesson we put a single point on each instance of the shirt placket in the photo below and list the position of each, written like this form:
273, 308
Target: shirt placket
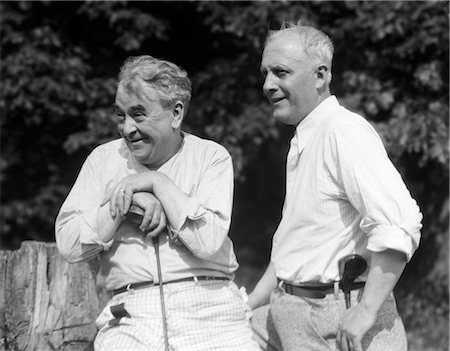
291, 164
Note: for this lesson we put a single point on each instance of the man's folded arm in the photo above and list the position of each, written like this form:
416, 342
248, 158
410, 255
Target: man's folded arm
202, 221
84, 226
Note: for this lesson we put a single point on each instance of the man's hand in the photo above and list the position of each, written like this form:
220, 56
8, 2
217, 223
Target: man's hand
384, 271
261, 294
355, 322
122, 196
149, 212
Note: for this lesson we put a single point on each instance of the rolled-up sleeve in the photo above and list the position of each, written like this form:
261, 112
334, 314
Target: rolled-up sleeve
77, 223
391, 218
206, 216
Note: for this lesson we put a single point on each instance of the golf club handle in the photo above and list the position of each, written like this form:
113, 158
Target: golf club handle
155, 240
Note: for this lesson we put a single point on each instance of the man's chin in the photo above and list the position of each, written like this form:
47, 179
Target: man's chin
282, 117
140, 157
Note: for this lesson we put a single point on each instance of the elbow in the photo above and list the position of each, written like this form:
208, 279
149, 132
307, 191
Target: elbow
206, 237
68, 248
68, 254
202, 249
73, 259
206, 250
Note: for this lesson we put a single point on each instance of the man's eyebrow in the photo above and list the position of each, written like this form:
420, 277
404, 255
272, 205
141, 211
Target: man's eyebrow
137, 108
132, 109
278, 65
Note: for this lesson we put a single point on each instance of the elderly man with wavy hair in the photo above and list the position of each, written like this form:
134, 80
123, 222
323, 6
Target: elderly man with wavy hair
158, 181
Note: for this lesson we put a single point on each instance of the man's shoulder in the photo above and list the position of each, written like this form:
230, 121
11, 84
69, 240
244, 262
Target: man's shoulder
343, 118
345, 124
114, 147
203, 145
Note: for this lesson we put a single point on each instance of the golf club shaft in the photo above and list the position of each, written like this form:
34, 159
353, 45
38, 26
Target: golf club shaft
161, 293
348, 304
347, 299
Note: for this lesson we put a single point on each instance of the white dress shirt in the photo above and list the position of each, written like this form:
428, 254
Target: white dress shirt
343, 196
202, 169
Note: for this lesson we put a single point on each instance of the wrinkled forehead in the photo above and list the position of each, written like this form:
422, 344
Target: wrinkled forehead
284, 48
136, 90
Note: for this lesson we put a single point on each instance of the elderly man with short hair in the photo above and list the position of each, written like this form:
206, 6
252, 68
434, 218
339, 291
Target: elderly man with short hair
158, 181
343, 198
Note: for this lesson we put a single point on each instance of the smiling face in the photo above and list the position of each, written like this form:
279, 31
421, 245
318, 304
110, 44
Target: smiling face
291, 80
151, 132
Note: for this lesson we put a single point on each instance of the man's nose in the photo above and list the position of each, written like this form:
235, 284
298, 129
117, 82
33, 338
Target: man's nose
269, 85
129, 126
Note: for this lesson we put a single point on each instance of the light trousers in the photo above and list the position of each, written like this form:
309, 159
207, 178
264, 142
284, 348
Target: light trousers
292, 323
202, 316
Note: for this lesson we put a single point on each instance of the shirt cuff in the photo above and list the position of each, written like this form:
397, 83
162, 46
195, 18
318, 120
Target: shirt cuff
89, 235
385, 237
192, 210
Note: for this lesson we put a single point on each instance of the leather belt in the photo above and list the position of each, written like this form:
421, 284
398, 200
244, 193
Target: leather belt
315, 290
148, 284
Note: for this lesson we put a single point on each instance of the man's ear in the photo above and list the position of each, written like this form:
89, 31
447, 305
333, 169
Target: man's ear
323, 76
178, 114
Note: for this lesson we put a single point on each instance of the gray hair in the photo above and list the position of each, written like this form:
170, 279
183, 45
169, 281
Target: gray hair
170, 81
316, 44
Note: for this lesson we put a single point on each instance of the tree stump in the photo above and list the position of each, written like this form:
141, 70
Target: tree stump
45, 302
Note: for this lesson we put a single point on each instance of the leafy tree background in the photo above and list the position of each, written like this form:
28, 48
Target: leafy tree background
59, 62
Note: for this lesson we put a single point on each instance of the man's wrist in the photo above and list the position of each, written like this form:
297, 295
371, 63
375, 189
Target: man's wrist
252, 302
256, 300
107, 224
156, 182
370, 305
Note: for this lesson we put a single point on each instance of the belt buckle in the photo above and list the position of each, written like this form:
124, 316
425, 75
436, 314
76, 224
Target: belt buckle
129, 289
281, 287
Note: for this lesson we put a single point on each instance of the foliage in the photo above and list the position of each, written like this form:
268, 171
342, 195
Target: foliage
58, 66
430, 302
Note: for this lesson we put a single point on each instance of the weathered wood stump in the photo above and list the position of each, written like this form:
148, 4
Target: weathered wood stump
45, 302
